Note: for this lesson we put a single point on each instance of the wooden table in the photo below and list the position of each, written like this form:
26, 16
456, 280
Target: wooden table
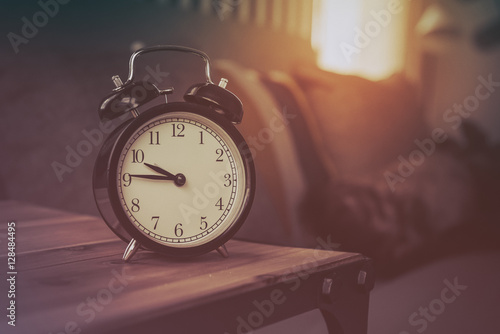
69, 278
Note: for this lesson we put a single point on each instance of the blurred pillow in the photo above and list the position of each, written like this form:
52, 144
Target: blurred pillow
280, 180
365, 125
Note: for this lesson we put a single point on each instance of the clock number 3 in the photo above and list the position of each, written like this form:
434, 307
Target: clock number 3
227, 178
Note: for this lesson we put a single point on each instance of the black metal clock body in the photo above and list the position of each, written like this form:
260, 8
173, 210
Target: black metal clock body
177, 178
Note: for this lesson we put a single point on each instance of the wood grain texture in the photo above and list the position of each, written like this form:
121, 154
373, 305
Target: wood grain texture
66, 261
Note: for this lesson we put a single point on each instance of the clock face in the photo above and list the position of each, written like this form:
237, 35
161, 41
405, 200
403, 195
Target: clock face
181, 180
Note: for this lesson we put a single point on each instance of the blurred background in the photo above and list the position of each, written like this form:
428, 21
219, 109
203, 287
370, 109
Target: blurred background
390, 144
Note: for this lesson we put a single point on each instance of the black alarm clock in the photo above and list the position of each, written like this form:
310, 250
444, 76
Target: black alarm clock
177, 178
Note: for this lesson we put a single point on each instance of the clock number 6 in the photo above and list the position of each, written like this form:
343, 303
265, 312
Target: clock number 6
178, 230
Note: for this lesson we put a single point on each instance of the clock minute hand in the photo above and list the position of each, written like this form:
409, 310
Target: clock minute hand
154, 177
160, 170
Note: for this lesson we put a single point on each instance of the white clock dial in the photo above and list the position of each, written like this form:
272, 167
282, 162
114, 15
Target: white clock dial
181, 180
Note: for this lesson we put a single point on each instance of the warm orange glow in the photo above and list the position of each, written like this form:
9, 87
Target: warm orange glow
361, 37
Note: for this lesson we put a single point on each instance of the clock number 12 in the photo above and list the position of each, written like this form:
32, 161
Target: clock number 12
180, 127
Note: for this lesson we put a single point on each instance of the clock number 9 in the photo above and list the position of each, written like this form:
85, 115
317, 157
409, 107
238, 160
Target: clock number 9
127, 179
135, 205
178, 230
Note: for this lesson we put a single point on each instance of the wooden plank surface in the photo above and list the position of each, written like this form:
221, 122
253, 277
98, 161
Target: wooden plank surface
44, 229
70, 273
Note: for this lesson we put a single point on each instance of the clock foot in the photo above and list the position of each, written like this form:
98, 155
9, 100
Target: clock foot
222, 250
131, 249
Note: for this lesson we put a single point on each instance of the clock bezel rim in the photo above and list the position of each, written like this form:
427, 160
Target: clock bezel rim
243, 151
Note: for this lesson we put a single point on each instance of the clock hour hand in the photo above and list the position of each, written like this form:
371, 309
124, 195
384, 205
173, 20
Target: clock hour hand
160, 170
179, 179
